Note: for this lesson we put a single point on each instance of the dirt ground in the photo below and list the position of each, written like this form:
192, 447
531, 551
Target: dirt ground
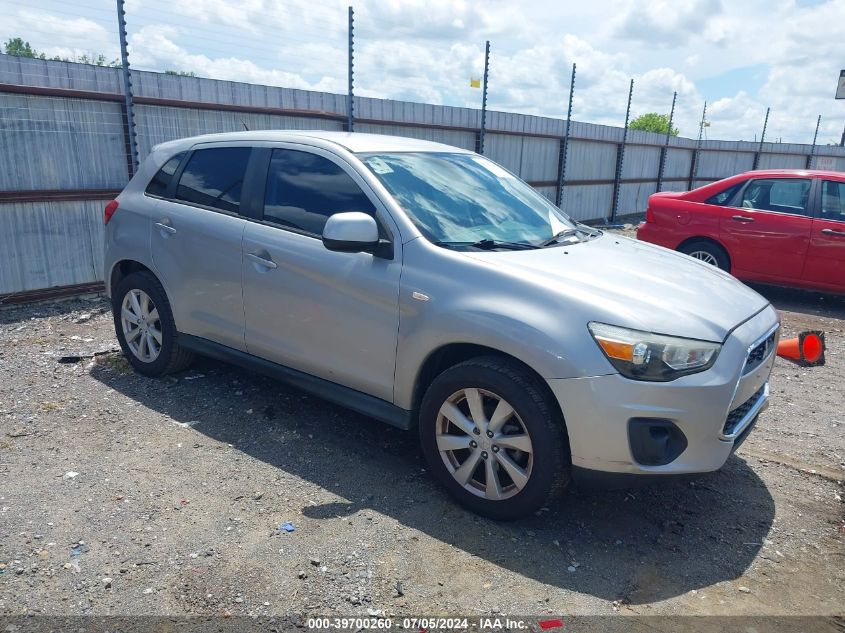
126, 495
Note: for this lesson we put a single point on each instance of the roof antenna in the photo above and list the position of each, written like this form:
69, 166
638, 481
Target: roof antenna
244, 124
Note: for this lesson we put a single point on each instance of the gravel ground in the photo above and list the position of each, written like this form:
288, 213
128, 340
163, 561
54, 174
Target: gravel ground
126, 495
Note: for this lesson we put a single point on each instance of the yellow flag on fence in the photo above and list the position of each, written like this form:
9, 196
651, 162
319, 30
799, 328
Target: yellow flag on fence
475, 83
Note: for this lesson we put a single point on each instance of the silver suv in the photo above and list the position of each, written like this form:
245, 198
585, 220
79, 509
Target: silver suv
430, 288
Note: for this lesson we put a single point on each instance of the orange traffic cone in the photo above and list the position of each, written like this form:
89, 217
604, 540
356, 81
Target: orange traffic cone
806, 350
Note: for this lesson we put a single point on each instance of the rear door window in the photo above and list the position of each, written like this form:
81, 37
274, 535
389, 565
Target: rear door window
833, 200
783, 195
161, 181
214, 178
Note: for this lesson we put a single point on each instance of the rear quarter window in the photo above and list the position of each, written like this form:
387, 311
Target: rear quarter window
161, 181
724, 197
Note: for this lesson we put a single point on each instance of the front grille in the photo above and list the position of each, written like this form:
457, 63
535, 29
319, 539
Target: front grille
736, 416
759, 353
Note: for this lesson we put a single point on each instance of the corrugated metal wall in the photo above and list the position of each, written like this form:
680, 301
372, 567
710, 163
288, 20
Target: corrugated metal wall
49, 143
75, 142
456, 138
46, 244
157, 124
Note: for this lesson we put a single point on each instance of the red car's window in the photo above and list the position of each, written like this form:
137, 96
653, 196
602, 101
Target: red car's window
783, 195
724, 197
833, 200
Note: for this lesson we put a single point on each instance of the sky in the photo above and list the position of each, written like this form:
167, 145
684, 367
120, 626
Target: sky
740, 56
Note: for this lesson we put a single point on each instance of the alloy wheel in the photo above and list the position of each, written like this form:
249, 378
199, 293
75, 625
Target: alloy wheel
141, 325
484, 444
705, 257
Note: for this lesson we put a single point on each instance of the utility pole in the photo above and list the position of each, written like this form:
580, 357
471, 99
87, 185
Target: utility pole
762, 138
350, 96
693, 170
813, 146
484, 98
665, 149
620, 157
564, 149
128, 105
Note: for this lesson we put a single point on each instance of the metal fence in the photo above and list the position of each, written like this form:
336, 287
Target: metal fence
65, 149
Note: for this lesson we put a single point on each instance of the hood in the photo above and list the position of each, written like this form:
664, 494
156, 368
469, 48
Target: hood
633, 284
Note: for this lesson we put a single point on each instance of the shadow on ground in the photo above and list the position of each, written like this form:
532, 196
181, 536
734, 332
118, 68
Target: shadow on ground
803, 301
636, 546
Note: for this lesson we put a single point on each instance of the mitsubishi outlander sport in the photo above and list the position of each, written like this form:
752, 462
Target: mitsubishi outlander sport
428, 287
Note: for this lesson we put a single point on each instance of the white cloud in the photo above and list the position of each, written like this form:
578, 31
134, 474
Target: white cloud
803, 48
665, 23
739, 117
61, 35
427, 50
155, 47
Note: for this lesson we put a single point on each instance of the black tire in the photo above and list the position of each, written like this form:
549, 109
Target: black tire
171, 357
541, 419
710, 248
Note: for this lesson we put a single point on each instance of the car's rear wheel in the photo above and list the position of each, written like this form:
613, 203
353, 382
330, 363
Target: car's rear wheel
492, 437
707, 252
145, 328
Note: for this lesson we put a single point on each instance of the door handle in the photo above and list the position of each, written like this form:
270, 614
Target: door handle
166, 228
261, 261
742, 218
833, 232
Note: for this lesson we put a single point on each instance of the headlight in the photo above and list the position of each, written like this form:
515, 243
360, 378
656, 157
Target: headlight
647, 356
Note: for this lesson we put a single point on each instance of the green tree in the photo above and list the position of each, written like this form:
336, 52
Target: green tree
17, 47
653, 122
180, 73
96, 60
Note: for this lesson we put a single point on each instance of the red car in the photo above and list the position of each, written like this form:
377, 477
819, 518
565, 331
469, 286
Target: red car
784, 227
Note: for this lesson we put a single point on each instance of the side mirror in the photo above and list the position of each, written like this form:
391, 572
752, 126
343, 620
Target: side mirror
351, 232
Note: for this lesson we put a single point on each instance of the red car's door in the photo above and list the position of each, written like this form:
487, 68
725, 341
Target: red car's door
825, 265
768, 231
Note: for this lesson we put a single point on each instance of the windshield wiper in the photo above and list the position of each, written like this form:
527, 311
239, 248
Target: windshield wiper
489, 245
573, 231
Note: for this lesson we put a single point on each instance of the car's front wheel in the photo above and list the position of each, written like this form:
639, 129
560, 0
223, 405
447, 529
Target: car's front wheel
493, 438
144, 326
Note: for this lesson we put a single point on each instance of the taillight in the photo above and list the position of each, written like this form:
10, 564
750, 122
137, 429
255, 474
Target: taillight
649, 215
111, 207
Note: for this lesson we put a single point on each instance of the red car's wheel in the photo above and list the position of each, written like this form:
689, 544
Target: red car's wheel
707, 252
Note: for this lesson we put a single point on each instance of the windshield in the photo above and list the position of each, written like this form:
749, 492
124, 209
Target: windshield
465, 199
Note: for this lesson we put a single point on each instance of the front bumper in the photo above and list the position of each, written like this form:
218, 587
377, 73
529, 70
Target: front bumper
713, 409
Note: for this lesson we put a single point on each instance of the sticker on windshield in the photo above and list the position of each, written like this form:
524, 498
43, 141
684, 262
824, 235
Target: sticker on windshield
379, 166
493, 168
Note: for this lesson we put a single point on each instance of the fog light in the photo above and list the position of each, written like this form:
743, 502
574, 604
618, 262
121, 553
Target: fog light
654, 441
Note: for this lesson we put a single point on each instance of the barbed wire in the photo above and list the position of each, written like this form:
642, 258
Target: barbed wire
209, 45
296, 53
